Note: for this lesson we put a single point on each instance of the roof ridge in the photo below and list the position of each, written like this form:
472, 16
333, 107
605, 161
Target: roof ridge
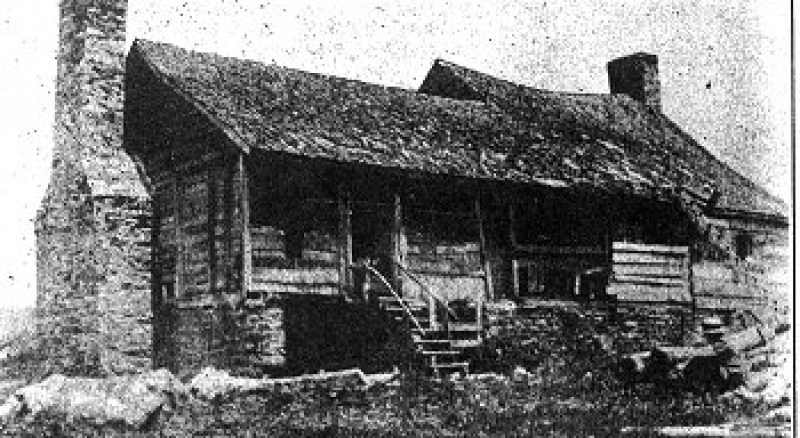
442, 61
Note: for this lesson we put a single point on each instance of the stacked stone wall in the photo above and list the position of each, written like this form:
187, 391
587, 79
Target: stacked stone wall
624, 327
283, 335
92, 230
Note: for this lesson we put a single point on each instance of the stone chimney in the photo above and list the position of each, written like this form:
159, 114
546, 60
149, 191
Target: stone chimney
637, 76
92, 229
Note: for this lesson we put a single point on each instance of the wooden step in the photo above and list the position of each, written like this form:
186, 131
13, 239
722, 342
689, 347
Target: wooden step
431, 342
440, 352
408, 301
464, 327
451, 366
465, 343
415, 310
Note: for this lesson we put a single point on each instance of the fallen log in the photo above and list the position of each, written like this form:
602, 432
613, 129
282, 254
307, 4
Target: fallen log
211, 383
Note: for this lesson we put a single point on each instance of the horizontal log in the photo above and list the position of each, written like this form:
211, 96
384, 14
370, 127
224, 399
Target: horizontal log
673, 270
649, 248
308, 275
443, 272
634, 258
650, 280
714, 271
309, 288
560, 249
639, 292
706, 302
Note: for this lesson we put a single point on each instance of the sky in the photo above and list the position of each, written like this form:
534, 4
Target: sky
724, 66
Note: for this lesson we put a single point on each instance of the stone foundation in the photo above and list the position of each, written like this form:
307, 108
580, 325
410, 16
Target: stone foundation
281, 335
627, 327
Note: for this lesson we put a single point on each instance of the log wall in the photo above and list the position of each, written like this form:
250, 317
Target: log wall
650, 273
197, 254
449, 265
315, 271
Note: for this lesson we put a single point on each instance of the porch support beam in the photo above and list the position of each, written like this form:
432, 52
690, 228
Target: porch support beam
512, 240
397, 243
244, 225
484, 252
345, 242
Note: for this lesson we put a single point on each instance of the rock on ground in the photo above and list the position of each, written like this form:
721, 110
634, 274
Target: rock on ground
131, 399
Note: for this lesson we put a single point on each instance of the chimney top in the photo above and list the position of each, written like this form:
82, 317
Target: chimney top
637, 76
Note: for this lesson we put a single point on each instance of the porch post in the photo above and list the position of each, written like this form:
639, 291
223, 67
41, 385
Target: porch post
487, 270
345, 242
397, 250
512, 239
244, 203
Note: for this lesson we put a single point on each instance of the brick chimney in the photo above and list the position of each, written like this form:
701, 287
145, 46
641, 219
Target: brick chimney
637, 76
92, 229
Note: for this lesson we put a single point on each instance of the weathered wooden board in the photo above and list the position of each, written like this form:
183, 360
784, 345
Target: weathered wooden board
713, 287
642, 292
279, 288
645, 272
717, 302
665, 270
643, 258
650, 279
716, 271
562, 249
449, 287
326, 256
299, 276
649, 248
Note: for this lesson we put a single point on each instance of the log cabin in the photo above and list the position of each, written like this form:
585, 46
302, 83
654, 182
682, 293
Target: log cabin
297, 215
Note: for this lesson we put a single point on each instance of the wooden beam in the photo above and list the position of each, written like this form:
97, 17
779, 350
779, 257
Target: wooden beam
244, 224
396, 242
177, 200
484, 252
345, 242
229, 224
211, 226
512, 239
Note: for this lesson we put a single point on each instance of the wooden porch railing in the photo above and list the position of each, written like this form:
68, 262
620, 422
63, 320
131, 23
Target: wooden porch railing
397, 296
434, 300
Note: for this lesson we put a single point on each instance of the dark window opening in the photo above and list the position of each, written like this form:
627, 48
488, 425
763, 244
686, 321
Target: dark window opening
554, 282
293, 242
744, 245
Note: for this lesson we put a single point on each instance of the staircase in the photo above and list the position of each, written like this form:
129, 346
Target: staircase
442, 332
441, 346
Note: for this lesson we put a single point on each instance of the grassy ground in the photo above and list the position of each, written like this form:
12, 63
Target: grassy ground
571, 390
479, 406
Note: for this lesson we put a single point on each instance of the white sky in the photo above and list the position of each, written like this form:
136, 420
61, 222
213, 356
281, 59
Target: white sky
725, 69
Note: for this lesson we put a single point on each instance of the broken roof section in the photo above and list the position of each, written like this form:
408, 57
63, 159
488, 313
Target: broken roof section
501, 131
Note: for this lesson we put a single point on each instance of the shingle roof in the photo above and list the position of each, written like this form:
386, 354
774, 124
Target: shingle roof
528, 136
630, 131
